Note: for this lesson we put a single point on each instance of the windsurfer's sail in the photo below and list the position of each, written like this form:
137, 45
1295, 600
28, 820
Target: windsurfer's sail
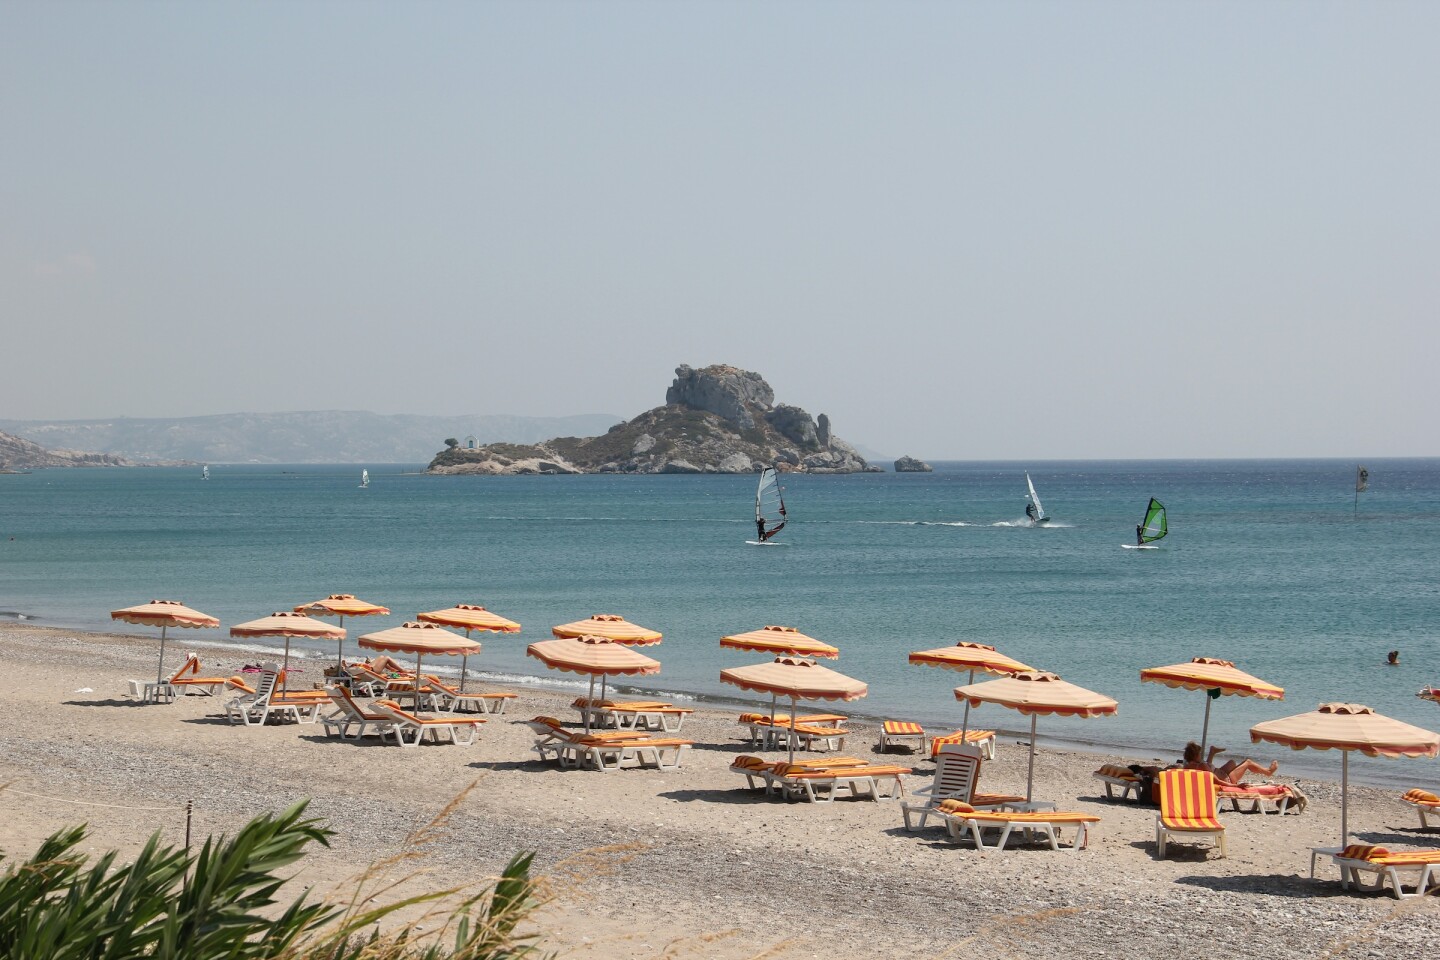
205, 473
1033, 509
364, 479
1153, 527
769, 506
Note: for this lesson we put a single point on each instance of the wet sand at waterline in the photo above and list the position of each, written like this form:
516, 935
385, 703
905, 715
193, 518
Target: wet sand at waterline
686, 863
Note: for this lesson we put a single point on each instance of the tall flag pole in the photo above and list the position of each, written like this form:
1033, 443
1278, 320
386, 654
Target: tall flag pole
1362, 481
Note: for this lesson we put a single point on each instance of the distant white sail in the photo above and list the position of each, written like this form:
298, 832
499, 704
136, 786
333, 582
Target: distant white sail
1039, 514
364, 479
769, 506
205, 473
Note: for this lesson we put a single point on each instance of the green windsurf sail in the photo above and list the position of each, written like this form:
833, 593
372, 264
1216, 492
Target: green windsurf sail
1153, 527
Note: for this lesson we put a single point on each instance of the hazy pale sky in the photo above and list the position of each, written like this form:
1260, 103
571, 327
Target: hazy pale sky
963, 230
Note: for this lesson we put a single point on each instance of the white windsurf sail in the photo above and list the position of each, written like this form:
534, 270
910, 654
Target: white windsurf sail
364, 478
769, 506
205, 473
1038, 513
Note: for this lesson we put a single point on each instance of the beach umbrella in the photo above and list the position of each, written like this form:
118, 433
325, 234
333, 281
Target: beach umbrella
164, 614
797, 678
1346, 727
289, 625
342, 605
786, 641
594, 656
611, 627
783, 641
467, 617
419, 639
1217, 678
965, 655
1035, 693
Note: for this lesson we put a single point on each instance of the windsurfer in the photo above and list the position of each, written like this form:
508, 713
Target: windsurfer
760, 530
1140, 534
1031, 512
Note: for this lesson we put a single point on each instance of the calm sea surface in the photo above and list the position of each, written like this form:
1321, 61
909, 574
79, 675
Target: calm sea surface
1267, 564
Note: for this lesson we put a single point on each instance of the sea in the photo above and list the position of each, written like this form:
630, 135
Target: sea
1278, 565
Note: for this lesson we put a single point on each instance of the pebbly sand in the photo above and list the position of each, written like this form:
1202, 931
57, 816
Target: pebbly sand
686, 863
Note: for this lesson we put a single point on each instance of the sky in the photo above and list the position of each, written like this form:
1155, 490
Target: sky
963, 230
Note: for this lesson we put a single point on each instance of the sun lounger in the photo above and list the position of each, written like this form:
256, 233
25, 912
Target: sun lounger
350, 715
605, 750
1425, 803
1188, 808
902, 733
188, 679
984, 739
757, 769
823, 784
957, 771
769, 736
254, 709
1282, 795
448, 697
1116, 777
410, 730
1362, 858
960, 817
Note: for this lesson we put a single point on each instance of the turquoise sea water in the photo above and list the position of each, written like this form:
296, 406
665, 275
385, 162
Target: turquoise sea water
1266, 565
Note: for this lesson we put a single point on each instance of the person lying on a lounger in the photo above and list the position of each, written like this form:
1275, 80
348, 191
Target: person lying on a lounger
1231, 771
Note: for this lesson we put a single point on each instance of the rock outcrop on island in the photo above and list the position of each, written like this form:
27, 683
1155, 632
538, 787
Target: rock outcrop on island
17, 453
718, 419
911, 465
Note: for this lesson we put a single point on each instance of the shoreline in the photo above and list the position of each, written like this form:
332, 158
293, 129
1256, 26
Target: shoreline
684, 863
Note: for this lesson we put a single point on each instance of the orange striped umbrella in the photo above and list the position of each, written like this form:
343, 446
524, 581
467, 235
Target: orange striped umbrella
781, 640
1346, 727
342, 605
596, 656
969, 656
1218, 678
419, 639
796, 678
611, 627
1033, 693
287, 624
467, 617
164, 614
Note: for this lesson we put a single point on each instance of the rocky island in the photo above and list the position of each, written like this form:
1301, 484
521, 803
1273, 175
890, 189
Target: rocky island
718, 419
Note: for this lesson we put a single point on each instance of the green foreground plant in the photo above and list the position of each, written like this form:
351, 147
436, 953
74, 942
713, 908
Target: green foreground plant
170, 905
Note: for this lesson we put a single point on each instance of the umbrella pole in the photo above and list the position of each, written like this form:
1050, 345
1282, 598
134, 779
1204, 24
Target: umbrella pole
1030, 771
418, 657
160, 670
589, 702
285, 669
340, 653
792, 729
464, 664
965, 724
1344, 799
1205, 730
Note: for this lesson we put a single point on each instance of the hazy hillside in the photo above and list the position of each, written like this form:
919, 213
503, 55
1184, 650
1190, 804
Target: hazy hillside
330, 436
17, 453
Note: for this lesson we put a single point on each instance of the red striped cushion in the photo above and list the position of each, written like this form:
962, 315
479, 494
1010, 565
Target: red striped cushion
903, 728
1364, 851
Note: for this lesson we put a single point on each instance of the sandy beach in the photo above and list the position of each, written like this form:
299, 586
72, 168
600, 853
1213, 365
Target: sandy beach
687, 863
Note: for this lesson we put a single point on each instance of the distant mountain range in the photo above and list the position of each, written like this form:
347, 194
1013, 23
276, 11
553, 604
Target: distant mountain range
325, 436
